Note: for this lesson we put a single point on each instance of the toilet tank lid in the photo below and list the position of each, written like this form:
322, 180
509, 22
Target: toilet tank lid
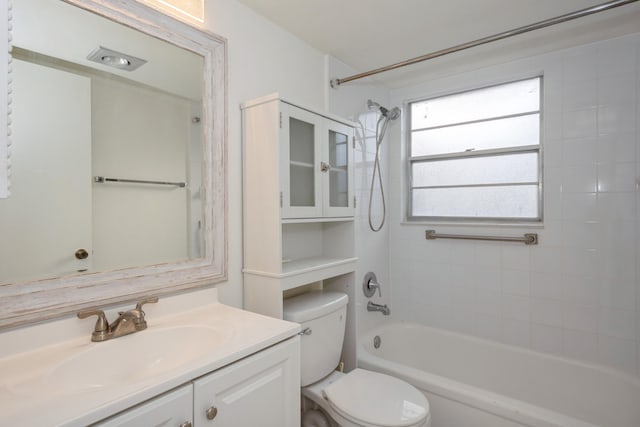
312, 305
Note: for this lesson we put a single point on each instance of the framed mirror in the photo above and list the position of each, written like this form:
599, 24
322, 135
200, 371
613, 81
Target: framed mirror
117, 177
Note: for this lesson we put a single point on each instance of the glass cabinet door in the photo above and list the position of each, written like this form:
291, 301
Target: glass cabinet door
338, 186
301, 196
301, 162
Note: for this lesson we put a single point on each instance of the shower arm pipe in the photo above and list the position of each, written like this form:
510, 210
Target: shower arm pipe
506, 34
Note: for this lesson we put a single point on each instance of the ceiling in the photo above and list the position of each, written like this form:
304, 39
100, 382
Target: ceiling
368, 34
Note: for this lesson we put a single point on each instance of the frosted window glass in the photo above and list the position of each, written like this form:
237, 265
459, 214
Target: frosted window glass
510, 168
479, 202
476, 154
495, 101
501, 133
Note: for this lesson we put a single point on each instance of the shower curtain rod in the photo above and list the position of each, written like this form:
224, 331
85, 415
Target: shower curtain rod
521, 30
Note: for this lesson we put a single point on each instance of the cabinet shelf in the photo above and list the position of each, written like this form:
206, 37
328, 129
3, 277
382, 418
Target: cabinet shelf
302, 271
316, 220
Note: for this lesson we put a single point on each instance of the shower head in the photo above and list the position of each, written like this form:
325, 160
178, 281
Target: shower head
391, 114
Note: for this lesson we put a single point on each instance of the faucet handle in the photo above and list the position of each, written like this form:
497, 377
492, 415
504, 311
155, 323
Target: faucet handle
101, 329
370, 284
145, 301
375, 285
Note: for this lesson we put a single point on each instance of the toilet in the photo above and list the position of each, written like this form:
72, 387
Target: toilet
359, 398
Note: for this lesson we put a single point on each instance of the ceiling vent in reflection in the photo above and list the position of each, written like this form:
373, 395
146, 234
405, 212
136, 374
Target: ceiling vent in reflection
122, 61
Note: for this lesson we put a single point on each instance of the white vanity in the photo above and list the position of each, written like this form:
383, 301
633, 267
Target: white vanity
211, 366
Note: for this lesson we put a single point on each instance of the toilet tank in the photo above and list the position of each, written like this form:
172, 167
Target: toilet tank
324, 314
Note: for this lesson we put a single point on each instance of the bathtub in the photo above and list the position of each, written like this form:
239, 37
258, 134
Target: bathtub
471, 382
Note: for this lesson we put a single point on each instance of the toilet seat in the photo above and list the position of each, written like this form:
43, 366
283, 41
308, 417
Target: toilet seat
370, 398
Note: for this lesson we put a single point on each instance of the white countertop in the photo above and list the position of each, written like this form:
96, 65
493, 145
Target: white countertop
27, 398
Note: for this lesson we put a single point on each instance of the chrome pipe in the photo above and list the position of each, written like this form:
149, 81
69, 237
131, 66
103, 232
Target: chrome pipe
510, 33
528, 239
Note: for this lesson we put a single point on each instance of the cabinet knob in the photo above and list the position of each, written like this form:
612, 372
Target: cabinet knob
82, 254
325, 167
186, 424
212, 412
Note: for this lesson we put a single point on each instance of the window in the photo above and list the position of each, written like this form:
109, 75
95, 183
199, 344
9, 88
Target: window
475, 155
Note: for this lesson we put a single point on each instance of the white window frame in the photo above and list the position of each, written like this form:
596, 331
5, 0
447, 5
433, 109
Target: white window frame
410, 161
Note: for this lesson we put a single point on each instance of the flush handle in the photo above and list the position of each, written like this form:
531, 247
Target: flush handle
305, 331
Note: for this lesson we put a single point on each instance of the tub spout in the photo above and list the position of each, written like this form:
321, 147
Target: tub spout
378, 307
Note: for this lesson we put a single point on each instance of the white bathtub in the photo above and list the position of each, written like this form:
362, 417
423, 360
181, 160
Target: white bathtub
471, 382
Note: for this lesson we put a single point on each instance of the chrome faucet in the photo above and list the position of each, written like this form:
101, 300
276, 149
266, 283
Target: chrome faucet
371, 306
127, 322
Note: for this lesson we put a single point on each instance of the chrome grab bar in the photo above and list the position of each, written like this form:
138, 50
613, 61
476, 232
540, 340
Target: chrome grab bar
528, 239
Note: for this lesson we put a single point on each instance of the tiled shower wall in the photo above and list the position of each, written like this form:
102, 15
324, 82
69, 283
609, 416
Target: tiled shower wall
577, 293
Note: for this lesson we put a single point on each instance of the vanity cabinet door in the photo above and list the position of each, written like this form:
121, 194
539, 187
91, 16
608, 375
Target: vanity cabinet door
261, 390
173, 409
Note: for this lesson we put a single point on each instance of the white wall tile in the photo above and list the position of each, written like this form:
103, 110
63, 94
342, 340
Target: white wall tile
582, 123
546, 312
577, 293
516, 307
581, 345
546, 339
580, 318
617, 148
579, 94
621, 52
488, 326
516, 332
516, 282
618, 177
578, 151
580, 179
616, 118
618, 323
580, 207
618, 353
581, 290
617, 88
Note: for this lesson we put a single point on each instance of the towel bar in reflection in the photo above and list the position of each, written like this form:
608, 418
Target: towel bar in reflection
102, 179
528, 239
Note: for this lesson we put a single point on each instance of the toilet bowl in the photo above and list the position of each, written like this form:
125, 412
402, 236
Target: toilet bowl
359, 398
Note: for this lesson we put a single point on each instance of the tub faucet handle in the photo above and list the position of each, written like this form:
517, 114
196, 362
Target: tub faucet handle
370, 284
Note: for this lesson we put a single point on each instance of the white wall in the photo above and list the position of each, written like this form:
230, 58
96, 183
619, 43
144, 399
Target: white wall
262, 59
577, 293
372, 249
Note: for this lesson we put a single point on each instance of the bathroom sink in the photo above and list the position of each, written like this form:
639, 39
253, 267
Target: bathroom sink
134, 357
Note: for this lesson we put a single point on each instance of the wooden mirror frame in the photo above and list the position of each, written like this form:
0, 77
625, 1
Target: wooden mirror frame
27, 302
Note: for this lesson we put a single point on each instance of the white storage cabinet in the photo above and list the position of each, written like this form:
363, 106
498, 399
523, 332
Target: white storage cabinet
299, 204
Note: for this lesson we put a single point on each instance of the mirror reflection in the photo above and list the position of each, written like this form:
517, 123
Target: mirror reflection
106, 157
